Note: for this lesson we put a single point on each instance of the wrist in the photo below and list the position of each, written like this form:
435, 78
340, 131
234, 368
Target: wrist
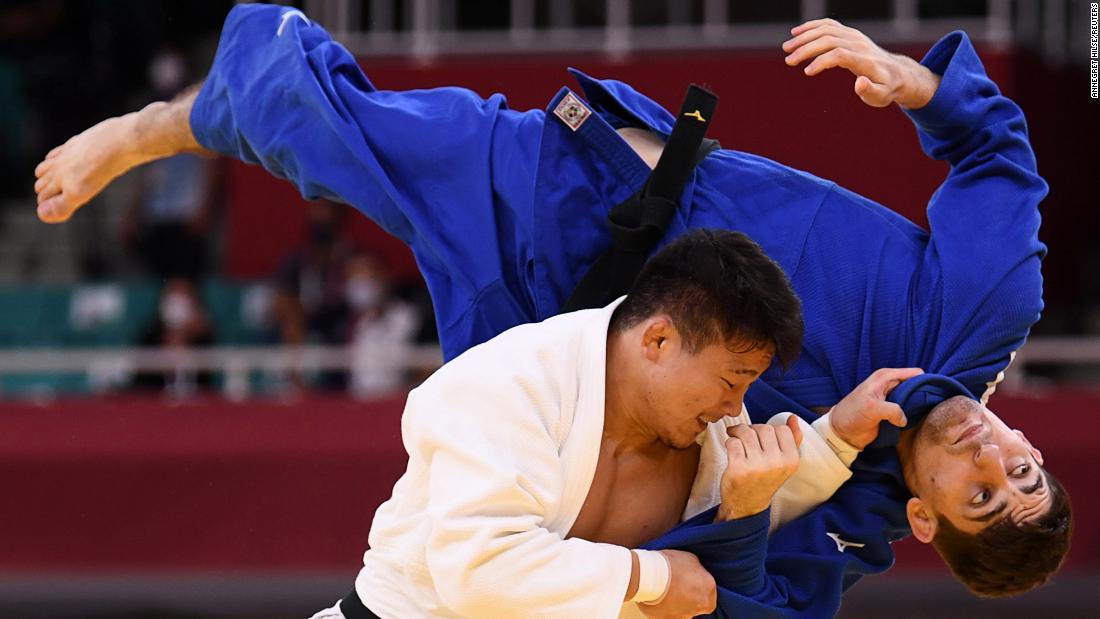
654, 577
843, 449
839, 440
723, 513
920, 85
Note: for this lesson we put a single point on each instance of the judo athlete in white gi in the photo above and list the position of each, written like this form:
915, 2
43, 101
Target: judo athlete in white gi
539, 459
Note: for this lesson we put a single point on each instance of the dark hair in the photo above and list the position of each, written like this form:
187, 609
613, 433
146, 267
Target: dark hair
1007, 558
717, 286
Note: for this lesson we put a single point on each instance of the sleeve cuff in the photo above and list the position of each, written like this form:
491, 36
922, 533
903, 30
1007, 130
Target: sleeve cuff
733, 551
843, 449
954, 59
702, 528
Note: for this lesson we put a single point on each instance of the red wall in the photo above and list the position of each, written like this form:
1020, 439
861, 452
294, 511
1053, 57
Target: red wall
140, 484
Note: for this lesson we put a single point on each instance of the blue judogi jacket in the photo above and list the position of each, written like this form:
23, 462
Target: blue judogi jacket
506, 210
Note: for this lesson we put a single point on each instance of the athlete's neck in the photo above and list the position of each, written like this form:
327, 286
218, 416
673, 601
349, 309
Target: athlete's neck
645, 143
625, 421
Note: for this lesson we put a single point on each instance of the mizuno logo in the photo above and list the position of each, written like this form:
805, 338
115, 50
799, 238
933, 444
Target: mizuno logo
286, 18
697, 115
841, 544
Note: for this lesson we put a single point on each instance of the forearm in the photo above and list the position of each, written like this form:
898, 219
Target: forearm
823, 468
539, 570
488, 550
982, 265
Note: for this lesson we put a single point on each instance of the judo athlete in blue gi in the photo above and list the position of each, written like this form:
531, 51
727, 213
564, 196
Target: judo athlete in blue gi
506, 210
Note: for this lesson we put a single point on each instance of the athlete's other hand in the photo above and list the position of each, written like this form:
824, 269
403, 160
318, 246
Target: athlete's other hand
882, 78
856, 418
691, 590
761, 458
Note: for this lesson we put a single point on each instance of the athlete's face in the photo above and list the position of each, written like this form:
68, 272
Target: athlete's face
685, 391
964, 464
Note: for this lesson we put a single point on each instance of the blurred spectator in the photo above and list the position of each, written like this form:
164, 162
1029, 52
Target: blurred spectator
310, 298
181, 323
383, 327
168, 222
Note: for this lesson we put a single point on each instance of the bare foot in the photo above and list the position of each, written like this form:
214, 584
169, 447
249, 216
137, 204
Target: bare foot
75, 172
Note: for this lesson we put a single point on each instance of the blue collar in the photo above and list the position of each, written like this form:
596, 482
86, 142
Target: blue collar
917, 396
620, 105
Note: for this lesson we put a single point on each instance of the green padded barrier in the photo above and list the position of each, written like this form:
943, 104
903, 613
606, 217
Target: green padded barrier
105, 315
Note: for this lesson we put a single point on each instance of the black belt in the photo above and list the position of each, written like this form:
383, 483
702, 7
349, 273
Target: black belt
638, 224
353, 608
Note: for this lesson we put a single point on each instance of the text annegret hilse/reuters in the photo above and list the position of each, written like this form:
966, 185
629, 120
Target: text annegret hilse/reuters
1094, 49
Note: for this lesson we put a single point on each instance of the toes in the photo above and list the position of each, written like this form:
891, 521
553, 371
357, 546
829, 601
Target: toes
46, 189
54, 210
43, 168
42, 183
54, 153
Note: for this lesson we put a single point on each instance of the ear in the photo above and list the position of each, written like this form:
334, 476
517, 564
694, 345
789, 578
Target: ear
921, 520
1035, 453
658, 337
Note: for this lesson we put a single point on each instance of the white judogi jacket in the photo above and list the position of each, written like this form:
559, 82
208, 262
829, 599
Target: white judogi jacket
503, 443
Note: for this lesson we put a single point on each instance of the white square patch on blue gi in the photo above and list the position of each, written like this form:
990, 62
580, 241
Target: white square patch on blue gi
572, 112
